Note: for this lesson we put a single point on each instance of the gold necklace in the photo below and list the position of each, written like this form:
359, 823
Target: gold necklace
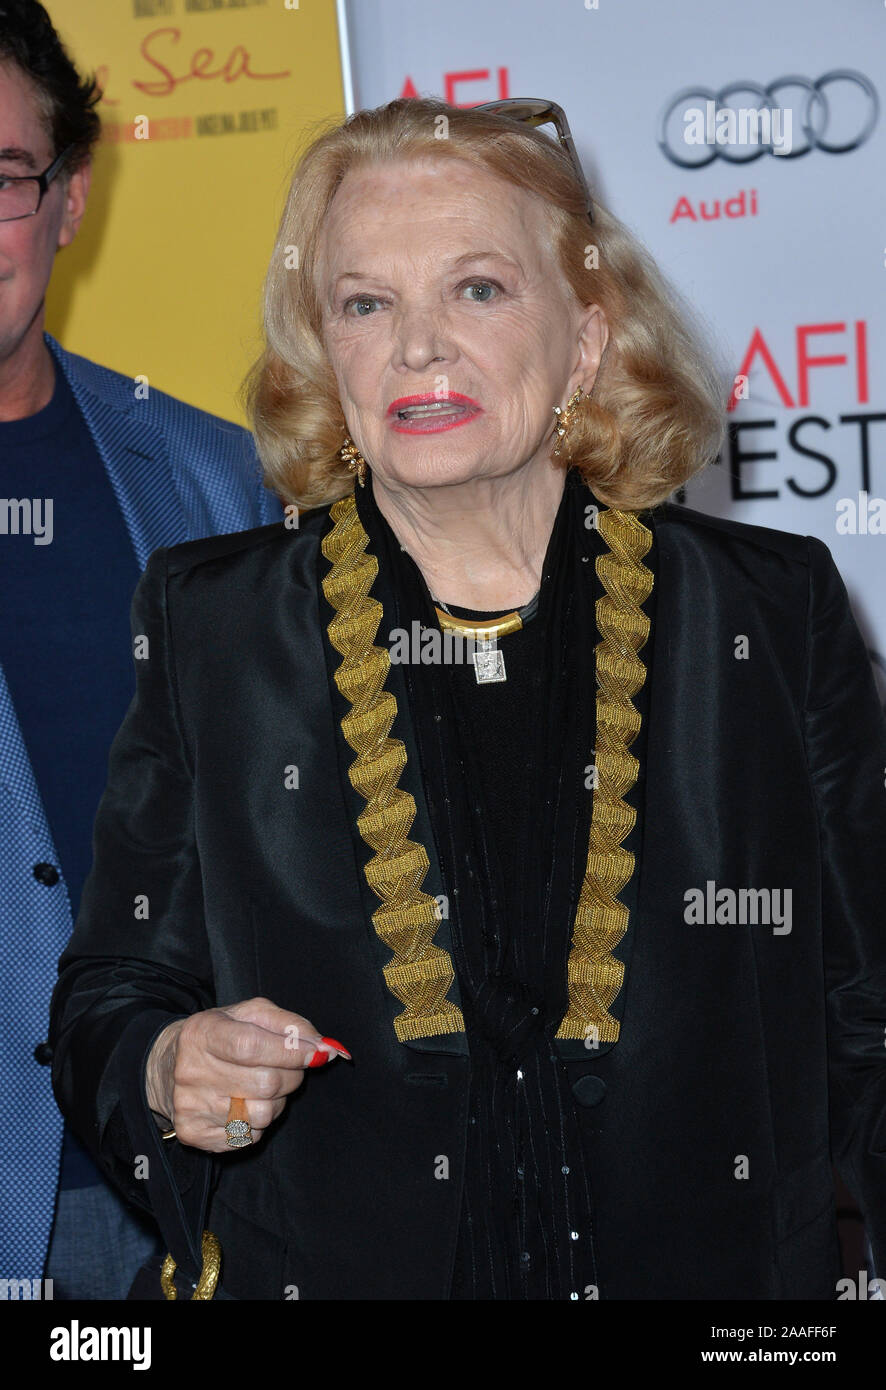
488, 661
420, 973
482, 630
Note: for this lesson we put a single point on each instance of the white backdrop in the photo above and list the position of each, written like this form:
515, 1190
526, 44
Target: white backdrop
795, 262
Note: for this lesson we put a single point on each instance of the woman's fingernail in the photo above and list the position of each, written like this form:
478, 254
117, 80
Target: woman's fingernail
320, 1058
338, 1047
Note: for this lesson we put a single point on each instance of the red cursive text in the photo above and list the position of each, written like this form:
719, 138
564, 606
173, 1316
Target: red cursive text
235, 65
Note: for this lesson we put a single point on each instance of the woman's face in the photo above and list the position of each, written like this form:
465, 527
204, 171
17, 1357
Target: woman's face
436, 280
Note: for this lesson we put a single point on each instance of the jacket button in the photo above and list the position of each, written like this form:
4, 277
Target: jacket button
589, 1090
47, 874
43, 1054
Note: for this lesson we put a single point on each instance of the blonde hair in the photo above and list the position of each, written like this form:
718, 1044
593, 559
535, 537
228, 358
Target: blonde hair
656, 414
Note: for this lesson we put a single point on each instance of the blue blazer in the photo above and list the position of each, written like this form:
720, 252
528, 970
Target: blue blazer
178, 474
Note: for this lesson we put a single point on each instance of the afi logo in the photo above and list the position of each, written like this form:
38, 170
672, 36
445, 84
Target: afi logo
759, 351
453, 82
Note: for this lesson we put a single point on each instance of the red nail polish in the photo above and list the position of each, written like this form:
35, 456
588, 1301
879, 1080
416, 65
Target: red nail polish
319, 1059
338, 1046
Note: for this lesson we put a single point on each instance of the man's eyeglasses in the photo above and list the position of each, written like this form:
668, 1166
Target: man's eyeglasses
534, 111
21, 195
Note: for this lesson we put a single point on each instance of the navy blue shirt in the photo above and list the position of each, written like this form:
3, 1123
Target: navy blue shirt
64, 634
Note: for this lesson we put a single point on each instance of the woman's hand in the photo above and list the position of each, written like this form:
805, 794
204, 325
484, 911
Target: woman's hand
252, 1049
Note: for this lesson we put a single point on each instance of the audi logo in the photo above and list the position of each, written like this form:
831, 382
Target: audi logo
836, 114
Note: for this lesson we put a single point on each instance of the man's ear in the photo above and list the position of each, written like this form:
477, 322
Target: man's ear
75, 195
593, 337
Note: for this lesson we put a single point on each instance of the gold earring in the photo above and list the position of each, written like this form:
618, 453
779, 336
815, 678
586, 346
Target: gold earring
565, 416
349, 454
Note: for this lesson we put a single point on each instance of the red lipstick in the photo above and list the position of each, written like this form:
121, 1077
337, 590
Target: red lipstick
431, 413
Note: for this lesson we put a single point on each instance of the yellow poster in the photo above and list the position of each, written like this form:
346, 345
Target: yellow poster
206, 105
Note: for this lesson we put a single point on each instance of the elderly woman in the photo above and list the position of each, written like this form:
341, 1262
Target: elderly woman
588, 896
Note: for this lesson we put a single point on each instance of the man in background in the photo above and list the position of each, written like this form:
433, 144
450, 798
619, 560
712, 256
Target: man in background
92, 480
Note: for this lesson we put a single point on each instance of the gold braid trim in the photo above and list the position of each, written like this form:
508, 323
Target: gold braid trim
420, 973
594, 975
208, 1280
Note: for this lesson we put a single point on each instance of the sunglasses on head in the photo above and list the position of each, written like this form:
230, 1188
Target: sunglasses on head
534, 111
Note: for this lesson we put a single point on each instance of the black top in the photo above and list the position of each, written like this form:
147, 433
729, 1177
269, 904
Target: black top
504, 772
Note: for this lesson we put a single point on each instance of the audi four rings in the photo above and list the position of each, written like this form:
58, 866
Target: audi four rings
818, 119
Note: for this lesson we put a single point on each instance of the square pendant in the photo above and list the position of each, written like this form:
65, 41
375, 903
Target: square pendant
489, 663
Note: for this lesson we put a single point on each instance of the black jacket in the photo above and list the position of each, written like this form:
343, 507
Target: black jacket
749, 1056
